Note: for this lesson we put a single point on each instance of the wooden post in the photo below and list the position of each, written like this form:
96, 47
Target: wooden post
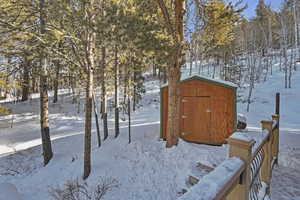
266, 168
243, 150
275, 145
266, 125
277, 109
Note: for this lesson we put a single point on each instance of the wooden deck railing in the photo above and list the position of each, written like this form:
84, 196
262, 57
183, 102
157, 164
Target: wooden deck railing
247, 173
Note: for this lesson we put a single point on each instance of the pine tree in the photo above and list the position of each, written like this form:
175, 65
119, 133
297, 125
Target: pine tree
173, 20
44, 101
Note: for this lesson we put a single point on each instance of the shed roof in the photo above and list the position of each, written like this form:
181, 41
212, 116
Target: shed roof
207, 79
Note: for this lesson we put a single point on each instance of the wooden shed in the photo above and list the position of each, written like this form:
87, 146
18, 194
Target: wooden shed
208, 110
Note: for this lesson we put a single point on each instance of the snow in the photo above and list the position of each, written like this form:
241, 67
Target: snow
211, 184
241, 136
286, 177
217, 81
142, 168
263, 191
145, 169
241, 118
9, 192
275, 122
252, 136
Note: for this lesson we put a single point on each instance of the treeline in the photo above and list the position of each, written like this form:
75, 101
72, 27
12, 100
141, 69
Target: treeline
109, 44
241, 50
106, 44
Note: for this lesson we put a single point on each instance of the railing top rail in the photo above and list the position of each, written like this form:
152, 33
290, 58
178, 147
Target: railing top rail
218, 183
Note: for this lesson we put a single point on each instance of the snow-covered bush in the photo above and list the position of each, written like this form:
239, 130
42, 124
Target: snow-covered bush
20, 163
79, 190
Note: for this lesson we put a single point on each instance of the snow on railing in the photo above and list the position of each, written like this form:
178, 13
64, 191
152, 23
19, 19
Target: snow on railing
219, 182
259, 139
246, 174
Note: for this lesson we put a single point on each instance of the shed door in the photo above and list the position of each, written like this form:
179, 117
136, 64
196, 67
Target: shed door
196, 119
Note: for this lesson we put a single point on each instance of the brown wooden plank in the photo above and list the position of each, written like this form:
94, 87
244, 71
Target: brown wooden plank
196, 123
222, 117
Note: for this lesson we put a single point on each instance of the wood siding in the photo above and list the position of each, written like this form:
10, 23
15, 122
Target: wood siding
211, 110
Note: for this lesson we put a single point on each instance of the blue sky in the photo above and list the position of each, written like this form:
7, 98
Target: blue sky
250, 11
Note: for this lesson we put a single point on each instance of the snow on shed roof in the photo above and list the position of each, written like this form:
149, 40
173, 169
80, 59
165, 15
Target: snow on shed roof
207, 79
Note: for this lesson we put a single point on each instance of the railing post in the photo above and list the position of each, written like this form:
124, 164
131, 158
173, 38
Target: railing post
266, 168
275, 145
266, 125
277, 106
243, 150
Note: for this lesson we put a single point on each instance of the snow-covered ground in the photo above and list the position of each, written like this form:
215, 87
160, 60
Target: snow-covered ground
286, 176
144, 169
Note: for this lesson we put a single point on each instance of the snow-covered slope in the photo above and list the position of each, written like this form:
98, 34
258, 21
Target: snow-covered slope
286, 176
144, 169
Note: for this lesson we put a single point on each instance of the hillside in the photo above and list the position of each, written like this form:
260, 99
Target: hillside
142, 169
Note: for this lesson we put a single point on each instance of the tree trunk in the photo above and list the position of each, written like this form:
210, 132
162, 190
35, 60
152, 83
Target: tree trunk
173, 106
25, 84
104, 95
116, 71
285, 68
159, 74
252, 66
90, 56
291, 68
154, 68
200, 65
295, 25
271, 64
165, 76
175, 29
88, 124
214, 69
97, 121
7, 79
134, 91
44, 109
72, 89
45, 130
125, 85
191, 61
280, 59
34, 81
57, 67
129, 120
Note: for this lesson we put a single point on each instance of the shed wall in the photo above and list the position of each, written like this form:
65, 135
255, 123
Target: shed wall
222, 105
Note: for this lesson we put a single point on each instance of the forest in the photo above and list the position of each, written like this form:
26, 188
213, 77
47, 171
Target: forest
103, 54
